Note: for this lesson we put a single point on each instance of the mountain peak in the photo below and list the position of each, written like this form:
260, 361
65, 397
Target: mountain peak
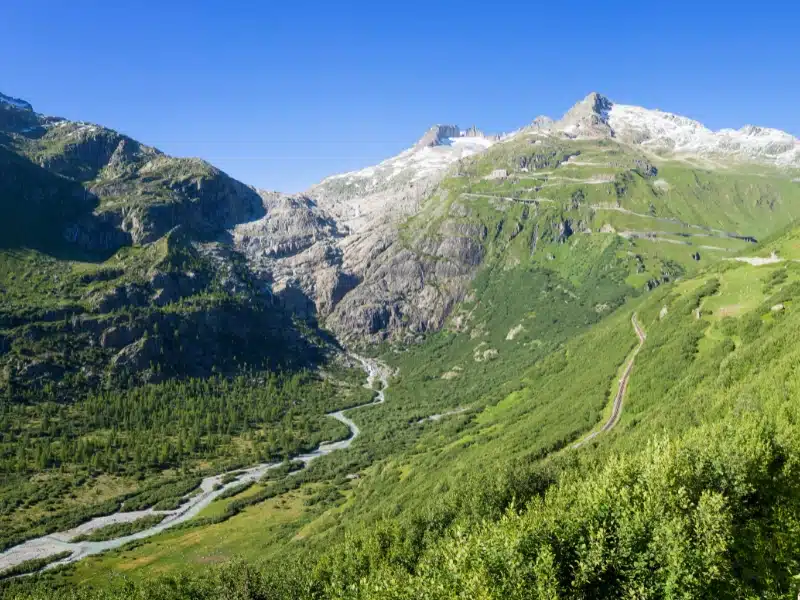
592, 105
436, 135
588, 118
15, 102
598, 102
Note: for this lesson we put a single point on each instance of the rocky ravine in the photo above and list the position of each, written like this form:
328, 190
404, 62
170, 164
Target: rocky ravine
332, 252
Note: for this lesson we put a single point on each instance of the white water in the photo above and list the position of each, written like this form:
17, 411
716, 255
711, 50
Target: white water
55, 543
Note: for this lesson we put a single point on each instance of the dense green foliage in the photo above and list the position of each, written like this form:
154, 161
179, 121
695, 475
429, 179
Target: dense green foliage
115, 530
160, 425
694, 494
33, 565
136, 434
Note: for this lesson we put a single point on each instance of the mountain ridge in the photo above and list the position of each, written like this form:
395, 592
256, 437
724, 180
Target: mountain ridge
663, 131
337, 252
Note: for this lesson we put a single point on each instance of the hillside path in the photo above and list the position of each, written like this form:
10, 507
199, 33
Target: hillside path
616, 409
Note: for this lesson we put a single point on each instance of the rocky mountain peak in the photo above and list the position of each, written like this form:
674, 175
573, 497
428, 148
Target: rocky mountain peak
8, 101
588, 118
593, 105
599, 103
437, 136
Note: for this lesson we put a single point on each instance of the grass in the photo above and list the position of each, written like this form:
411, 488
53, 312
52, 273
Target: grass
116, 530
218, 507
278, 517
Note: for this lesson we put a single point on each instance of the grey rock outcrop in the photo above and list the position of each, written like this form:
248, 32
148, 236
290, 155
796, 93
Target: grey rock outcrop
121, 296
121, 336
295, 248
171, 287
588, 118
437, 135
32, 371
137, 356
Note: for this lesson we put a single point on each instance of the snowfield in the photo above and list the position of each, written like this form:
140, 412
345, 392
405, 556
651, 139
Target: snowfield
666, 131
418, 163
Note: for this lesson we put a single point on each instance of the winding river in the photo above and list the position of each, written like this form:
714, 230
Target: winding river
210, 489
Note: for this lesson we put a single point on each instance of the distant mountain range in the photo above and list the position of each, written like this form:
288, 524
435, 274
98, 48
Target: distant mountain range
390, 251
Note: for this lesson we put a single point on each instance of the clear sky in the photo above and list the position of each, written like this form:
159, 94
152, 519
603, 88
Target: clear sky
280, 94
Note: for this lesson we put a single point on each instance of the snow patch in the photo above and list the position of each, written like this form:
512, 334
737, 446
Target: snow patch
416, 163
666, 131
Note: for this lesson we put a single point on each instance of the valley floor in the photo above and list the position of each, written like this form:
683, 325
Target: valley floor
195, 502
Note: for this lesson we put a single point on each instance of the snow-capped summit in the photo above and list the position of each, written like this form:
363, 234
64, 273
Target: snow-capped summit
667, 133
441, 146
397, 184
438, 135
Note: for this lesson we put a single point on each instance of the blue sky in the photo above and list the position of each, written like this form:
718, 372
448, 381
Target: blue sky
281, 94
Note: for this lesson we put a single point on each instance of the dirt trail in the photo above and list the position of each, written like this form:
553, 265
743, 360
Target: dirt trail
508, 198
210, 489
616, 409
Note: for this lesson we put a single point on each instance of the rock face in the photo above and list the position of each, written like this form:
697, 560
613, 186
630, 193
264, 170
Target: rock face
588, 118
138, 356
332, 252
410, 289
294, 248
438, 135
119, 337
128, 295
171, 287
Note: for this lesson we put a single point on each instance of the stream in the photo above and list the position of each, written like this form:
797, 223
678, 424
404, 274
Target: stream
210, 489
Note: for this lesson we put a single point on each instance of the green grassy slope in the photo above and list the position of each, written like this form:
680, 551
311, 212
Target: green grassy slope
694, 493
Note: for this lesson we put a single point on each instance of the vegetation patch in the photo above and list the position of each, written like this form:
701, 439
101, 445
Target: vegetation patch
118, 530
